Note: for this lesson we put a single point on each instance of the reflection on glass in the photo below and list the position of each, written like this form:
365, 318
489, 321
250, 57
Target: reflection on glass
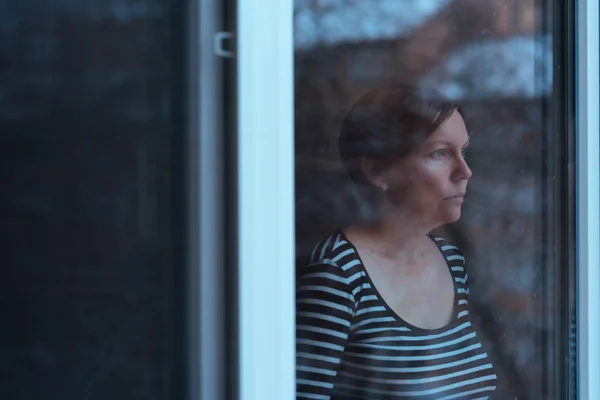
495, 60
383, 306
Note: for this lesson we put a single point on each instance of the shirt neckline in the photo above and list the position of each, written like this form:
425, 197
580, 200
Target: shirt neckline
398, 320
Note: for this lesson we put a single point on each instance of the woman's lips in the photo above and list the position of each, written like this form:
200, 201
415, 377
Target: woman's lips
457, 196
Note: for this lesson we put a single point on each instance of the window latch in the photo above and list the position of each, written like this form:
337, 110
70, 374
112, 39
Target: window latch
220, 44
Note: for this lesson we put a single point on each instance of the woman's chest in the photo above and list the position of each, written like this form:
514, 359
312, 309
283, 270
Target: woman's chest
424, 298
392, 361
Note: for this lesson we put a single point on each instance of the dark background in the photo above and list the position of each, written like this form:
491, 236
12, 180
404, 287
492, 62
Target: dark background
90, 130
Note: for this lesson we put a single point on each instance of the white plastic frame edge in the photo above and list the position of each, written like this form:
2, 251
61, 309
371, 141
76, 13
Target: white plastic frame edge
266, 199
588, 195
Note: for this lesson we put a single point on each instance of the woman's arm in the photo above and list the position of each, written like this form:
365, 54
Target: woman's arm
324, 312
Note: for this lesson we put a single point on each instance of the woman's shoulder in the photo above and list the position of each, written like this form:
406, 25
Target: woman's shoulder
453, 255
445, 245
335, 247
333, 259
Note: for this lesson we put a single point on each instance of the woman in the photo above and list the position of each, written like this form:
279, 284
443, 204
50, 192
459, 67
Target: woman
382, 306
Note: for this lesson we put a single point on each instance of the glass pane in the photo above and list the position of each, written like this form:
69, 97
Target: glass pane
387, 93
90, 262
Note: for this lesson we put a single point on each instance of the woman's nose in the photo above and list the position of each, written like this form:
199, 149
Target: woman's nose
462, 169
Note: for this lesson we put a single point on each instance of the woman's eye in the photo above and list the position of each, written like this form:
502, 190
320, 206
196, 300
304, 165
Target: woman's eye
440, 153
463, 152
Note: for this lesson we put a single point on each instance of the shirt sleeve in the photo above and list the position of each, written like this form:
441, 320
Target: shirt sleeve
324, 311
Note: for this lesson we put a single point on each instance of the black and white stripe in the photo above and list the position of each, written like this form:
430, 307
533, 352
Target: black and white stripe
351, 345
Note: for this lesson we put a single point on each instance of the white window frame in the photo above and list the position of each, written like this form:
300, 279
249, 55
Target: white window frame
588, 193
266, 199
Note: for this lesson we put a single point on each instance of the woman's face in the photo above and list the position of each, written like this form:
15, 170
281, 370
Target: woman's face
431, 182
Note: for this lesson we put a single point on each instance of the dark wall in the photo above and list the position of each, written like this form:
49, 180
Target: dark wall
89, 264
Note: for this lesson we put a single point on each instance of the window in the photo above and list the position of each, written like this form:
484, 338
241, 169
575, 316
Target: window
159, 190
533, 153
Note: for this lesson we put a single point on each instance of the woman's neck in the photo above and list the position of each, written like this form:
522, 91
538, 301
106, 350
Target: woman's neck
396, 231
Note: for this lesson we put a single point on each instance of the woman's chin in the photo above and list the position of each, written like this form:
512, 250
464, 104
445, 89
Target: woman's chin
453, 215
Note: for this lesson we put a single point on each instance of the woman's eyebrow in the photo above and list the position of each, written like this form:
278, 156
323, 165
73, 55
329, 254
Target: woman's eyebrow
446, 143
439, 142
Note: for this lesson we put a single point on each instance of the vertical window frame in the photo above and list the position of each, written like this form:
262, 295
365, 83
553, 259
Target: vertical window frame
588, 195
265, 73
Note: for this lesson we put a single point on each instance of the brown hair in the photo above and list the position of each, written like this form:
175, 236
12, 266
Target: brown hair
388, 123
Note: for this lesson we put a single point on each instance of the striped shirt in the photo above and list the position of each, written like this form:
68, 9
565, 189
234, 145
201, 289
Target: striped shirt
351, 345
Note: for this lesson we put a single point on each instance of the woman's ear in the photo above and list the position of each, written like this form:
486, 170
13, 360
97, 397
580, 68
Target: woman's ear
374, 172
